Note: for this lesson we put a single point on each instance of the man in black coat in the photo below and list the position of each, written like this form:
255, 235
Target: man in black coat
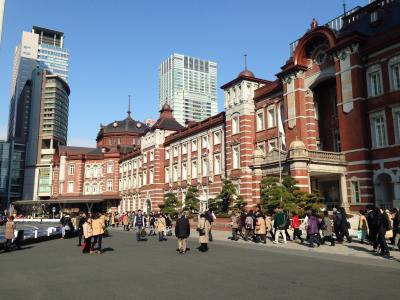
182, 232
384, 225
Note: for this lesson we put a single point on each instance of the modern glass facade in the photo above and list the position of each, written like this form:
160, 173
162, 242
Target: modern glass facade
189, 86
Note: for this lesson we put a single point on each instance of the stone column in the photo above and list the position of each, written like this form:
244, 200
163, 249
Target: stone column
343, 192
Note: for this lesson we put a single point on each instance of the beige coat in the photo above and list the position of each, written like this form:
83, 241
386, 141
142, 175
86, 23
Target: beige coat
161, 225
126, 220
87, 230
261, 226
98, 226
268, 223
204, 224
10, 227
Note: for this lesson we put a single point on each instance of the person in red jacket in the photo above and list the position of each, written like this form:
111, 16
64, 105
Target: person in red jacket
296, 228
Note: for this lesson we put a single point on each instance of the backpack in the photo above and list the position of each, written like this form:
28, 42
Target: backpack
209, 217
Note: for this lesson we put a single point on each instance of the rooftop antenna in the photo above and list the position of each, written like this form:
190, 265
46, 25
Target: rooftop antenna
344, 8
245, 62
129, 106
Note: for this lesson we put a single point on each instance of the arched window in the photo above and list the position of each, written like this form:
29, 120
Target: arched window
87, 188
95, 188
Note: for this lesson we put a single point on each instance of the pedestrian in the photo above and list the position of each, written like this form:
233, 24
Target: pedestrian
81, 219
68, 227
139, 223
279, 225
384, 226
396, 228
373, 225
10, 228
168, 223
287, 225
268, 225
326, 228
203, 229
249, 226
312, 230
362, 226
87, 234
261, 228
182, 232
210, 216
98, 231
345, 225
161, 227
296, 228
337, 225
125, 221
234, 226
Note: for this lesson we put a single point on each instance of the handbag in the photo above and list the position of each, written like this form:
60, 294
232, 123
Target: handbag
143, 233
201, 231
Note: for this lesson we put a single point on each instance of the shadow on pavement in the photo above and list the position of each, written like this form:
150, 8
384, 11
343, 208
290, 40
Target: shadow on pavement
108, 249
13, 250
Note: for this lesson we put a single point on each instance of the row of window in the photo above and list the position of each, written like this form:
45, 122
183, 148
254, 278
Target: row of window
172, 174
92, 170
374, 77
205, 144
378, 123
93, 188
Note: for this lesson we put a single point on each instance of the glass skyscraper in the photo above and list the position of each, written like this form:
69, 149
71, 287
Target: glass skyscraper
189, 86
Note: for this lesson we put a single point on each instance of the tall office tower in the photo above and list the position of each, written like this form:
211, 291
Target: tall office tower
189, 86
42, 48
48, 128
2, 3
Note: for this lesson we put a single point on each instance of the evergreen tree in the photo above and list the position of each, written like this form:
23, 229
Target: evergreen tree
192, 201
224, 200
170, 204
287, 196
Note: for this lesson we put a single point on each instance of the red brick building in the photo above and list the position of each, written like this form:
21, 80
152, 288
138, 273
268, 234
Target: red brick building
330, 119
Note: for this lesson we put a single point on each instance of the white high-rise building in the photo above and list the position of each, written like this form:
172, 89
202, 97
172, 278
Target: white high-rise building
42, 48
2, 2
189, 86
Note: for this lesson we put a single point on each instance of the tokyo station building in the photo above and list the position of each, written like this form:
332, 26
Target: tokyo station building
330, 119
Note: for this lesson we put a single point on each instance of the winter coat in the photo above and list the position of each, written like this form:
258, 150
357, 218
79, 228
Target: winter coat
97, 226
362, 223
295, 221
182, 228
10, 227
205, 225
384, 223
268, 223
87, 230
249, 225
312, 227
161, 224
280, 220
261, 227
327, 230
234, 222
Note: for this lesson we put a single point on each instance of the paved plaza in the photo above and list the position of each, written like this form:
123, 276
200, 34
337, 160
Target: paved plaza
153, 270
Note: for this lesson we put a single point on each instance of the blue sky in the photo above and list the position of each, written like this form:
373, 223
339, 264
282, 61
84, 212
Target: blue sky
116, 47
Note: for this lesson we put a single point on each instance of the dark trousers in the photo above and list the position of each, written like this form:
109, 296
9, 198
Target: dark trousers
373, 238
203, 247
382, 243
234, 234
297, 234
345, 232
313, 238
248, 233
88, 245
80, 234
138, 232
126, 227
161, 236
287, 235
97, 240
262, 238
7, 245
210, 238
328, 238
338, 234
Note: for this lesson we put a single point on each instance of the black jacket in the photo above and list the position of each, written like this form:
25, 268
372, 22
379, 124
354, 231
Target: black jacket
384, 223
182, 228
